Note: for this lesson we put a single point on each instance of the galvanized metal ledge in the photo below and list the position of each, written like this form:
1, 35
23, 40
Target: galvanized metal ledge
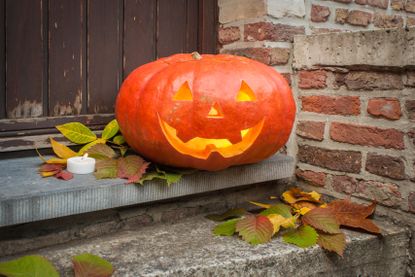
26, 197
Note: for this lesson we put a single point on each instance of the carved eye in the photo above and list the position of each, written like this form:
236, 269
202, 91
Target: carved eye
184, 93
245, 93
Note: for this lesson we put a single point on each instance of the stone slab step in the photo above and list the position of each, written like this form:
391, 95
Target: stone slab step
188, 248
27, 197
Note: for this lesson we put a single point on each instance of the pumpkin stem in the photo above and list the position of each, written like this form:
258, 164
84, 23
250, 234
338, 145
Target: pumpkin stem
196, 56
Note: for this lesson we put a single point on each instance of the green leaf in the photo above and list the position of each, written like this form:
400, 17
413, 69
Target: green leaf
132, 168
226, 228
28, 266
101, 152
77, 132
106, 169
238, 212
88, 265
168, 176
304, 236
86, 147
332, 242
323, 219
255, 229
119, 140
111, 129
280, 209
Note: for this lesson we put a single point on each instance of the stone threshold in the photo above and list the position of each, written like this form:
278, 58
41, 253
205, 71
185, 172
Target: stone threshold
188, 248
27, 197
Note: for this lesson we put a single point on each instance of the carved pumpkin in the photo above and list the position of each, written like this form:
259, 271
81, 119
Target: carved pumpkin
205, 111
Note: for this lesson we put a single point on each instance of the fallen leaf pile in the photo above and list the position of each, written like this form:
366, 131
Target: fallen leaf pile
304, 220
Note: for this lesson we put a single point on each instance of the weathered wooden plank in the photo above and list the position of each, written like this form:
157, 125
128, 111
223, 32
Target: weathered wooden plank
24, 46
2, 60
65, 57
208, 21
139, 34
171, 31
192, 19
103, 59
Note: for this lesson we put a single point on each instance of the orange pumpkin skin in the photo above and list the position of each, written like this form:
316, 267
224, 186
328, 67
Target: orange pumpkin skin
203, 129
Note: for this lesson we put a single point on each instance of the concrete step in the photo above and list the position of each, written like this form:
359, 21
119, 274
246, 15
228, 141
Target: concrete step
188, 248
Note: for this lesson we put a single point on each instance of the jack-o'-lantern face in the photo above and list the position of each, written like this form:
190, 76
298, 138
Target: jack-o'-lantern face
200, 147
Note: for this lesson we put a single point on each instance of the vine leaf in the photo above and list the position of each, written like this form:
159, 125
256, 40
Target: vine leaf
323, 219
77, 132
106, 169
28, 266
101, 152
295, 195
64, 175
255, 229
88, 265
226, 228
110, 130
47, 170
131, 168
354, 215
279, 208
278, 221
89, 145
332, 242
170, 177
62, 151
233, 213
304, 236
119, 140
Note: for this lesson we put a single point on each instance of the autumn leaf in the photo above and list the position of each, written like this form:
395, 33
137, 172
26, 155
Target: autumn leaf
262, 205
64, 175
88, 265
170, 177
238, 212
279, 208
88, 146
278, 221
303, 207
323, 219
47, 170
101, 151
304, 236
118, 140
77, 132
295, 195
106, 169
62, 151
56, 161
255, 229
28, 266
110, 130
226, 228
131, 168
332, 242
354, 215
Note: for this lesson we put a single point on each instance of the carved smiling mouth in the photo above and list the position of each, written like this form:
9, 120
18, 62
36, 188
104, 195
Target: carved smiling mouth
201, 148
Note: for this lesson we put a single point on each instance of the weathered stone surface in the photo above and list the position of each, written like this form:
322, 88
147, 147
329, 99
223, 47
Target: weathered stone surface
340, 160
232, 10
386, 166
319, 13
411, 202
286, 8
317, 179
188, 248
410, 109
341, 105
229, 34
397, 4
341, 15
394, 48
344, 184
388, 21
365, 80
312, 79
388, 108
269, 56
409, 78
410, 21
270, 31
385, 193
367, 135
311, 129
410, 6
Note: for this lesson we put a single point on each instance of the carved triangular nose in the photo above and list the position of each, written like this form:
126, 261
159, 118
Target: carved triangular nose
215, 111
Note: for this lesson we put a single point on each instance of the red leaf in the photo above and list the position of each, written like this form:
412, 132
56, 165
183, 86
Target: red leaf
51, 167
64, 175
323, 219
131, 168
255, 229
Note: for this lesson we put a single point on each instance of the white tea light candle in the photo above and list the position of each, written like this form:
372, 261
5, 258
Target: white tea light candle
81, 165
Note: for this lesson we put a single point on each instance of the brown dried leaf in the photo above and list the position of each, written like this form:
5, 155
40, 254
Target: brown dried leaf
322, 219
332, 242
131, 168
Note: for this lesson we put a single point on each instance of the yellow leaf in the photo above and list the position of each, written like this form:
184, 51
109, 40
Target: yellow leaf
56, 161
77, 132
273, 197
276, 221
111, 129
324, 205
47, 173
304, 210
89, 145
289, 222
265, 206
315, 195
288, 197
62, 151
295, 195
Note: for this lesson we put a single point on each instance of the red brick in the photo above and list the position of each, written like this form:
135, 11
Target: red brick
317, 179
344, 184
383, 4
319, 13
340, 160
367, 135
361, 2
343, 1
410, 6
341, 15
384, 107
385, 193
273, 32
311, 129
409, 78
364, 80
312, 79
359, 18
397, 4
386, 166
410, 21
228, 35
269, 56
411, 202
341, 105
387, 21
410, 109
